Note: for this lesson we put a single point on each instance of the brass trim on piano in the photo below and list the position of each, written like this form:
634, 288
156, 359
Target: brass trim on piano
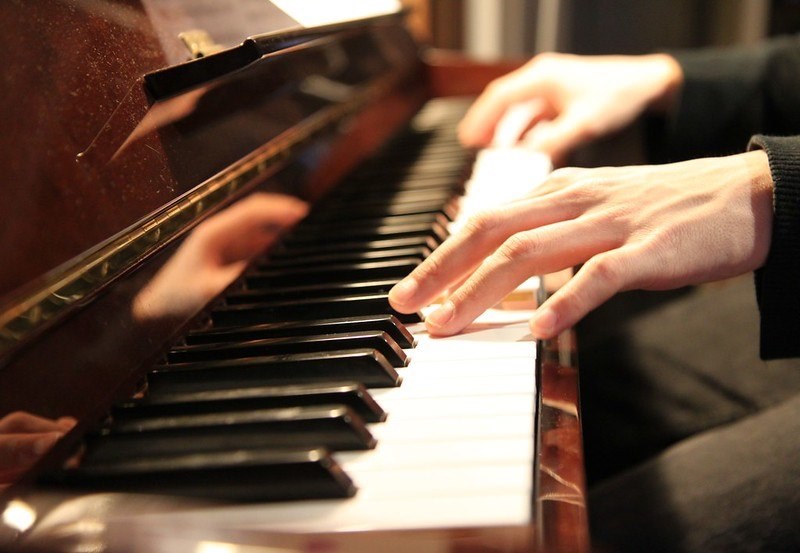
74, 282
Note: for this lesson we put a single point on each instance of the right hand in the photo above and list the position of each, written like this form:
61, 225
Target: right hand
573, 99
654, 227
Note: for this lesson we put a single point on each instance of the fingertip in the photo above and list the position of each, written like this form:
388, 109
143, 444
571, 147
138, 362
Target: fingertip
544, 323
402, 294
67, 423
469, 136
441, 317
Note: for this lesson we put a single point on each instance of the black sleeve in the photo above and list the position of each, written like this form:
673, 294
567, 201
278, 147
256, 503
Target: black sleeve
729, 95
778, 281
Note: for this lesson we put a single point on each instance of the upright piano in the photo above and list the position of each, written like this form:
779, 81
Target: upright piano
204, 206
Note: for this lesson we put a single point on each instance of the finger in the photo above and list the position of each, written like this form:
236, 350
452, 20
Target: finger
545, 250
18, 450
559, 136
516, 121
66, 423
598, 280
462, 252
247, 228
558, 180
20, 422
478, 126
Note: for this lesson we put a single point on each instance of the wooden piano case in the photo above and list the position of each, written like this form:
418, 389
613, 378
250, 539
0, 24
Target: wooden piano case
115, 148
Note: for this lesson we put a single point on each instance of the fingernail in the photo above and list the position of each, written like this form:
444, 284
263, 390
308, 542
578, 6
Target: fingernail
544, 322
404, 291
441, 316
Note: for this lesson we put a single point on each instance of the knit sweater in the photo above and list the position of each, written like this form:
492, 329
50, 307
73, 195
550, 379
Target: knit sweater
750, 98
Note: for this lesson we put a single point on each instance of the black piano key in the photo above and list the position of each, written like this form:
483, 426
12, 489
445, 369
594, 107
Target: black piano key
310, 291
381, 204
418, 253
404, 183
327, 308
411, 151
371, 339
299, 251
334, 427
368, 225
454, 171
437, 165
385, 323
239, 476
166, 403
442, 151
339, 272
366, 365
435, 231
412, 145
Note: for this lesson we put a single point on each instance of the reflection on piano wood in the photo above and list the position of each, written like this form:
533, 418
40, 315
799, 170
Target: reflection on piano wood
299, 383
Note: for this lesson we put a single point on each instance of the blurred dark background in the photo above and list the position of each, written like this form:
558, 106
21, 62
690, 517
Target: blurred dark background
510, 28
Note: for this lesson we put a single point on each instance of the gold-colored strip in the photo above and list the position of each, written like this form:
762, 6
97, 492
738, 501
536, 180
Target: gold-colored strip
75, 283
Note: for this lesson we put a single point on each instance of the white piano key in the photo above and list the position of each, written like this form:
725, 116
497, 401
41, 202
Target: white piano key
467, 368
388, 456
360, 513
516, 403
475, 428
449, 387
433, 481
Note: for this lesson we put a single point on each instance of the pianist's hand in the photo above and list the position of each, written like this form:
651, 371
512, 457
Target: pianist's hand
24, 438
216, 253
646, 227
568, 100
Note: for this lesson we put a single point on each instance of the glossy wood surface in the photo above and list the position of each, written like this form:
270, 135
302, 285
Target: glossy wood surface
98, 351
72, 95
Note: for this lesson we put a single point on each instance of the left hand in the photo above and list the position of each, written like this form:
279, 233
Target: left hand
24, 438
646, 227
216, 253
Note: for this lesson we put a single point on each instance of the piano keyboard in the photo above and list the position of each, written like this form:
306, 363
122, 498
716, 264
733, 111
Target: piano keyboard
308, 386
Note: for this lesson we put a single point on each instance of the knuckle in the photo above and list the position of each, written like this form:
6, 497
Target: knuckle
586, 131
519, 246
485, 222
544, 59
606, 270
589, 190
431, 268
14, 419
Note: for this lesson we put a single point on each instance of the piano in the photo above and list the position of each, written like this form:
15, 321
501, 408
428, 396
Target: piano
205, 204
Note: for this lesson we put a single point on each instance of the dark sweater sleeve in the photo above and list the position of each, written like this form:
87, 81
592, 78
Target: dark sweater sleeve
728, 95
778, 281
